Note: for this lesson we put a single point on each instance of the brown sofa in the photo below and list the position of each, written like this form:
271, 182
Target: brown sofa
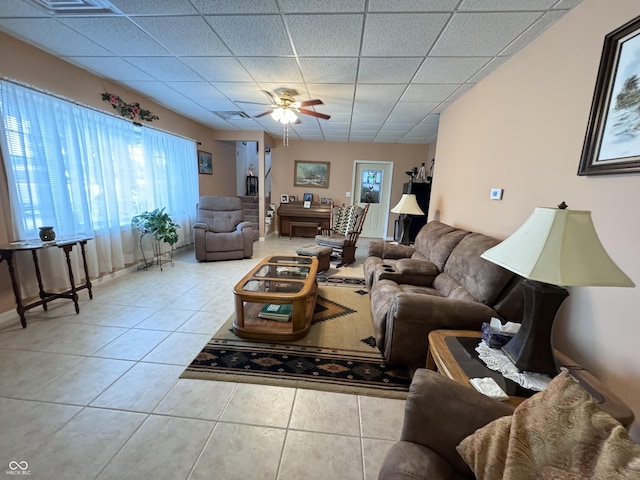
438, 283
448, 426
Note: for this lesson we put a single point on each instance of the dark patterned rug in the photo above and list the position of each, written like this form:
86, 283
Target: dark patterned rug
338, 354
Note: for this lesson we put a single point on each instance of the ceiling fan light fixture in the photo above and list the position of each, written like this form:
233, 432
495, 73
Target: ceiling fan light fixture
284, 115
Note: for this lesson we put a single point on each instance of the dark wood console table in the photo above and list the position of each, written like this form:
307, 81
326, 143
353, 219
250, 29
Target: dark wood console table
296, 213
66, 245
452, 353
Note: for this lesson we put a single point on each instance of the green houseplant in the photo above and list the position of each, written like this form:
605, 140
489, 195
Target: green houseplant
159, 224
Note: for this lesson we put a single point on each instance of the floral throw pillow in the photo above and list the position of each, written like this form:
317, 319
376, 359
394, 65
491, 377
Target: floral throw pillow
558, 433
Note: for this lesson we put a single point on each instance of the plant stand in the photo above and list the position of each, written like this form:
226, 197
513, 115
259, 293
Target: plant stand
157, 257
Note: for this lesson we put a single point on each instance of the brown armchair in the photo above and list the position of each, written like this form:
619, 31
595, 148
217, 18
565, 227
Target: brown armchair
220, 232
342, 237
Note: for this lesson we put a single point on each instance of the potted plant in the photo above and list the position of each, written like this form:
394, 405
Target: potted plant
159, 224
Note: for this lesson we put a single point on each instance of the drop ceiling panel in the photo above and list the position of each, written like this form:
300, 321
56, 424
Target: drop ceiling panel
536, 29
156, 90
114, 67
218, 69
247, 92
411, 5
252, 35
52, 36
326, 6
428, 92
449, 70
379, 93
165, 68
184, 35
329, 70
271, 69
227, 6
401, 35
117, 34
158, 7
482, 34
504, 5
387, 70
326, 35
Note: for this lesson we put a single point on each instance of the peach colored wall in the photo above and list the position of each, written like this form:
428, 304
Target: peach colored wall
522, 129
32, 66
341, 157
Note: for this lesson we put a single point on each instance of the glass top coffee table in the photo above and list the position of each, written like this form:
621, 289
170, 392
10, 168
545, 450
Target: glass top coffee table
276, 280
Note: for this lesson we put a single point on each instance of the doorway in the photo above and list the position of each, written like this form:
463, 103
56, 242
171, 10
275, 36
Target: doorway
372, 185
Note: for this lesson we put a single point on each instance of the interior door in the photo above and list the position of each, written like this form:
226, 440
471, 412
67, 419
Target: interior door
372, 184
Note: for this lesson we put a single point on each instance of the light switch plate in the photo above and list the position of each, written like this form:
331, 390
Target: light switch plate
496, 194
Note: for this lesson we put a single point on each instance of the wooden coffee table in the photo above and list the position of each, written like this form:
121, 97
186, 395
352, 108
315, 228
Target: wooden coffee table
452, 353
276, 280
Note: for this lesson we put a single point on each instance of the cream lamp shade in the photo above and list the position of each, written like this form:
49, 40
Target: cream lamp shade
554, 247
408, 205
560, 247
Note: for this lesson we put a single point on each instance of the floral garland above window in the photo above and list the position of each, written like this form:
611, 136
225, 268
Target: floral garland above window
129, 110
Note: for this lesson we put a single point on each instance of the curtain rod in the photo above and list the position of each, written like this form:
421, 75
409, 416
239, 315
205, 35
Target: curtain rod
90, 107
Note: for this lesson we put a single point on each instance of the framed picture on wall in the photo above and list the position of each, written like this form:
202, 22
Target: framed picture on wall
611, 144
311, 174
205, 163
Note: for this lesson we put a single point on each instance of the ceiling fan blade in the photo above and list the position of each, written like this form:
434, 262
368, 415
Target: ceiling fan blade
314, 114
272, 98
308, 103
262, 114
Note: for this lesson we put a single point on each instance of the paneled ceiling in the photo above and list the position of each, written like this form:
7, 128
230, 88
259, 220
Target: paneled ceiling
384, 69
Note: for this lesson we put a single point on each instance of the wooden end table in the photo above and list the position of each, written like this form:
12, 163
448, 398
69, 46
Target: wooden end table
452, 353
276, 280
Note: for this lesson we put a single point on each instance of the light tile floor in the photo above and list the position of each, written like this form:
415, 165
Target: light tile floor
96, 395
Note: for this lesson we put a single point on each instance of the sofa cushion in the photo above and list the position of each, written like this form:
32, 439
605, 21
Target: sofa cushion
406, 266
435, 241
558, 433
482, 279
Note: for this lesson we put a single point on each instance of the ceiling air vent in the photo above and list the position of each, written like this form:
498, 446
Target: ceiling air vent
238, 115
80, 7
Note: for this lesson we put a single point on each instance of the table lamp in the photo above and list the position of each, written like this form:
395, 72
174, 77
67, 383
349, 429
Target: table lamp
555, 247
407, 206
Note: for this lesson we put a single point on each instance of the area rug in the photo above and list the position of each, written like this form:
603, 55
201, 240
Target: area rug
340, 281
339, 353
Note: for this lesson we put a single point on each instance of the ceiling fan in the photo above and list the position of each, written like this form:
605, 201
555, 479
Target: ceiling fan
284, 106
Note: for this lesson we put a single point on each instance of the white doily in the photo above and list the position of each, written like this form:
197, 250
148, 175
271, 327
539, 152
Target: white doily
498, 361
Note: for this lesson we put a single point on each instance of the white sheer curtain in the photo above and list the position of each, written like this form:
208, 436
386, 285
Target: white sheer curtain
87, 172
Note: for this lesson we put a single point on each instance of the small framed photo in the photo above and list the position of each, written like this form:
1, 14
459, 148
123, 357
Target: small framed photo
205, 164
292, 198
284, 198
325, 200
307, 199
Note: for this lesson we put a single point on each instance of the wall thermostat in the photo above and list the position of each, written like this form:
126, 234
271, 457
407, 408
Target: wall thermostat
496, 194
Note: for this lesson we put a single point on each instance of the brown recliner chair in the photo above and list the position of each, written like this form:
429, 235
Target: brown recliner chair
220, 232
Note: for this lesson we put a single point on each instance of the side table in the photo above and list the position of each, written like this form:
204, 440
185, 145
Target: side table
452, 353
64, 244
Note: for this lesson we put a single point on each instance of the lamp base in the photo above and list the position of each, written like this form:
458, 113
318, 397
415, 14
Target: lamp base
530, 349
406, 223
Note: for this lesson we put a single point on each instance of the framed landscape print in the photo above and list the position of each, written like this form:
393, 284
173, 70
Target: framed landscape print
205, 164
612, 142
311, 174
